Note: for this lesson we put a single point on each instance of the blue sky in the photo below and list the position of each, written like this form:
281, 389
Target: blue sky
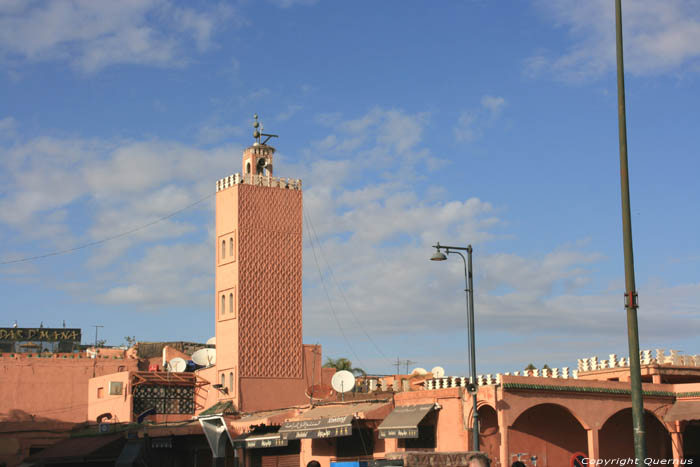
482, 122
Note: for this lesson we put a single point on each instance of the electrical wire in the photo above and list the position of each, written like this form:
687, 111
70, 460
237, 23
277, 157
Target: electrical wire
342, 294
107, 239
328, 297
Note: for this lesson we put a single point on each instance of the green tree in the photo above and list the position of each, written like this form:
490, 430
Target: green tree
343, 364
130, 340
530, 367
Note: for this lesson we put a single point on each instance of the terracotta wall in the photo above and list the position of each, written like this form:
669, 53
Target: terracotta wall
55, 387
100, 401
272, 393
451, 434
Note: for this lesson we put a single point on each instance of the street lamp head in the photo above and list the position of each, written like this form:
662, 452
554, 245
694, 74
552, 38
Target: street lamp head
438, 256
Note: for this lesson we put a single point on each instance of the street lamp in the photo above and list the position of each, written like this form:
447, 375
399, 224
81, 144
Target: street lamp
440, 256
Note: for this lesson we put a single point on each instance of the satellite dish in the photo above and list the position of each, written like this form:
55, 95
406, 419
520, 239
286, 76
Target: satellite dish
204, 357
211, 341
438, 372
178, 365
419, 371
343, 381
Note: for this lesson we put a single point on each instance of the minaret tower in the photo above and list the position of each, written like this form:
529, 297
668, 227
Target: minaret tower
258, 278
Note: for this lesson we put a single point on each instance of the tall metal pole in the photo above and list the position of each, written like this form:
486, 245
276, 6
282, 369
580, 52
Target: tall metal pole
472, 348
630, 290
469, 290
94, 363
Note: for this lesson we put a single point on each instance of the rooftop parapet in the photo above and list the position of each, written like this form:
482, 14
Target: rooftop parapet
258, 180
645, 357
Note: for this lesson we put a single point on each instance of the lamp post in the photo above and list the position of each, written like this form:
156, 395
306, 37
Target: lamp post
439, 256
631, 303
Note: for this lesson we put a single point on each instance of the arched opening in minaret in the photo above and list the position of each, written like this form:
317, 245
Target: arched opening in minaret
247, 167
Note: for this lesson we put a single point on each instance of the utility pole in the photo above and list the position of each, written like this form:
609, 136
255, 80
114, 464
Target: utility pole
94, 364
631, 302
408, 362
399, 362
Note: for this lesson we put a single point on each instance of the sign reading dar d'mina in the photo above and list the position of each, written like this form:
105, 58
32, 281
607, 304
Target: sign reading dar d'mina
40, 334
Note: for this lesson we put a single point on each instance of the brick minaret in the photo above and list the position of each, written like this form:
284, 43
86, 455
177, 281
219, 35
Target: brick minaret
258, 279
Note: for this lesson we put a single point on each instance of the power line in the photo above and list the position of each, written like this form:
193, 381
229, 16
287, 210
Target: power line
107, 239
342, 294
328, 296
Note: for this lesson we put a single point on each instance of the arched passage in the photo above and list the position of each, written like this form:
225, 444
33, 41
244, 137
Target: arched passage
489, 435
691, 441
550, 432
616, 440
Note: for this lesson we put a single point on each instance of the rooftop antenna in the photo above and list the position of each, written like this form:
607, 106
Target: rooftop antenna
259, 134
405, 362
94, 363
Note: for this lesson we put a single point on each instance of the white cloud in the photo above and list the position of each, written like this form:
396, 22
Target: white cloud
471, 123
291, 3
289, 113
659, 36
211, 133
8, 127
92, 35
168, 275
494, 104
465, 130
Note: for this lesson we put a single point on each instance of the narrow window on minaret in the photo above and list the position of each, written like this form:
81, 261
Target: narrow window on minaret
230, 303
223, 249
223, 379
223, 304
247, 167
230, 247
230, 382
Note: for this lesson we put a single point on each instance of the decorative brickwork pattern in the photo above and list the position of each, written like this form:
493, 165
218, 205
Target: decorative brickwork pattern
270, 261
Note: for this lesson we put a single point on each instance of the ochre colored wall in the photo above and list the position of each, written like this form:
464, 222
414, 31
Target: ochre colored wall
259, 341
616, 438
17, 436
54, 387
269, 282
549, 432
273, 393
120, 406
451, 434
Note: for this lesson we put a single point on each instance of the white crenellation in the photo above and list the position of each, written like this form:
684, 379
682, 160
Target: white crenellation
660, 357
259, 180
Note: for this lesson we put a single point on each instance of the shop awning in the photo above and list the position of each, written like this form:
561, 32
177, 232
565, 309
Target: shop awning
84, 449
332, 421
268, 418
683, 410
255, 440
403, 421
